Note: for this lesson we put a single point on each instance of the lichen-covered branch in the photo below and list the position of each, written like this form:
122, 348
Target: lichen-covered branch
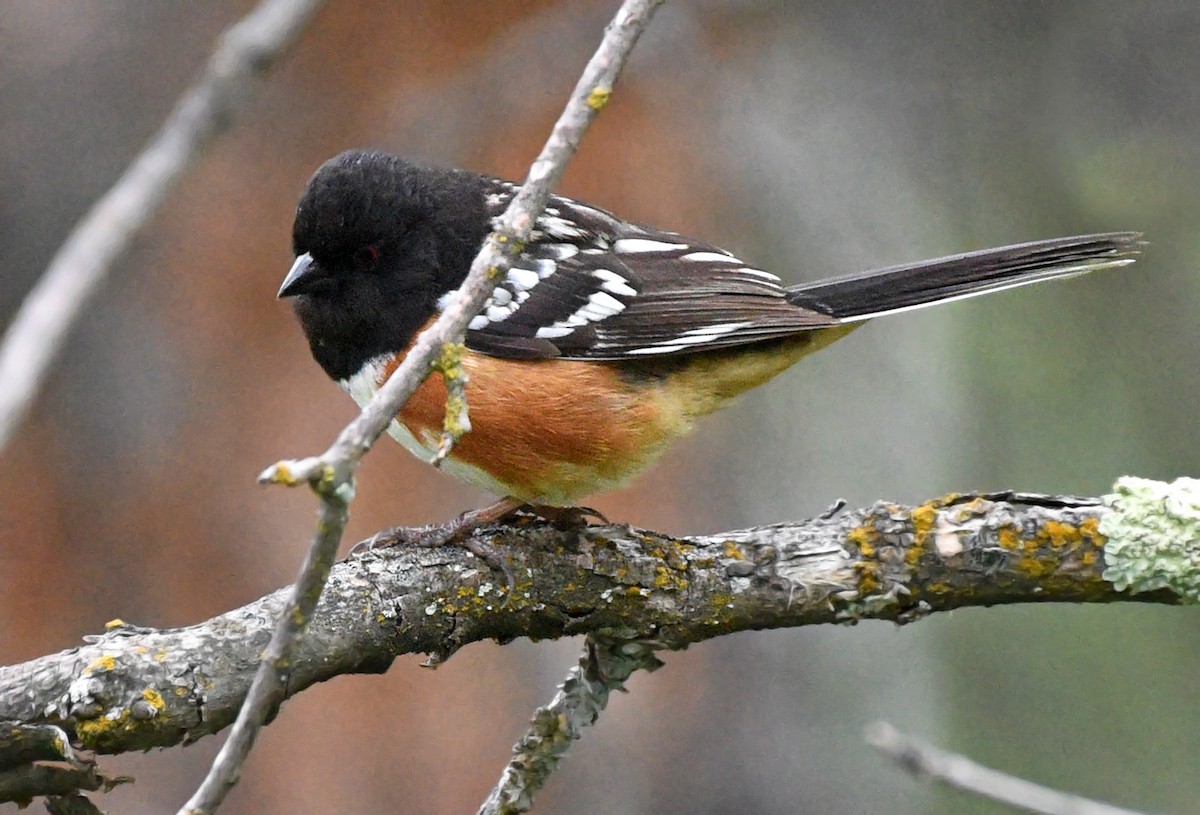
1153, 535
37, 760
133, 688
1146, 549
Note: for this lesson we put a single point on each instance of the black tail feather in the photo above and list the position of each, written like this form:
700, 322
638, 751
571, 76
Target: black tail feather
899, 288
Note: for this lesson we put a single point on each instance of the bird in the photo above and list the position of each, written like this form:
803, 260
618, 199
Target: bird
605, 341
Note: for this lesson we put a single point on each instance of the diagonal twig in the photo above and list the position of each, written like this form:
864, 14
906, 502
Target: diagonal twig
604, 667
244, 53
331, 475
926, 761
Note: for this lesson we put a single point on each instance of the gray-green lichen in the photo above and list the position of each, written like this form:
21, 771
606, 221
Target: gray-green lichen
1153, 536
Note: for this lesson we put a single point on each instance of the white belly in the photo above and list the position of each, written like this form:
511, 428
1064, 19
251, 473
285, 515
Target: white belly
363, 386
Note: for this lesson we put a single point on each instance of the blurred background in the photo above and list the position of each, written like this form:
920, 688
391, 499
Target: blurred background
811, 138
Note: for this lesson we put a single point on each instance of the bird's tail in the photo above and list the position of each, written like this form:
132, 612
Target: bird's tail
911, 286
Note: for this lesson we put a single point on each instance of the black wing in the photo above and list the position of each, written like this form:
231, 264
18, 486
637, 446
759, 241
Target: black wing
591, 286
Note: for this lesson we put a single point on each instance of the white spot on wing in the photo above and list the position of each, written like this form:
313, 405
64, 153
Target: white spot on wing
657, 349
692, 337
710, 257
477, 322
635, 245
613, 282
553, 332
718, 330
607, 303
599, 306
557, 227
759, 273
589, 314
497, 313
522, 279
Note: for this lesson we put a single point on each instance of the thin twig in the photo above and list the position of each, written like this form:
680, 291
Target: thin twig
926, 761
244, 53
332, 474
604, 667
266, 691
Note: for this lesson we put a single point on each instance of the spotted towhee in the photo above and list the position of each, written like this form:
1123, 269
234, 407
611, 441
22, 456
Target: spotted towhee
606, 341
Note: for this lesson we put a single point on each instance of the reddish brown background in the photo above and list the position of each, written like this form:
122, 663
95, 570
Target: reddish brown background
813, 137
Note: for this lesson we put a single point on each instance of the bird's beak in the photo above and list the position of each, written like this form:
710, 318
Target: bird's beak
302, 273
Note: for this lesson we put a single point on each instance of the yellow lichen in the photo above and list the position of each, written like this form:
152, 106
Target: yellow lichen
720, 608
1033, 567
866, 538
665, 578
924, 517
449, 360
599, 97
154, 698
1059, 535
93, 733
1008, 538
912, 556
107, 662
868, 579
970, 509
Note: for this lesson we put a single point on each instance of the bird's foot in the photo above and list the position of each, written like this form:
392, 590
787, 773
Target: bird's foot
460, 531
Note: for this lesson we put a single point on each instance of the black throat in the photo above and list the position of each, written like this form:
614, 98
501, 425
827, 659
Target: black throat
345, 333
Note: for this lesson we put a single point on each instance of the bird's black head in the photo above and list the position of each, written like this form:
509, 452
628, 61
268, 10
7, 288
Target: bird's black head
377, 241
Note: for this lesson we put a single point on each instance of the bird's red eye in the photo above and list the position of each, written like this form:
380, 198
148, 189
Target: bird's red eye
365, 257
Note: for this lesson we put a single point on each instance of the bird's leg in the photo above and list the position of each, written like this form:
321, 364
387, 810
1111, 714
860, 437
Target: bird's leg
460, 530
457, 531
